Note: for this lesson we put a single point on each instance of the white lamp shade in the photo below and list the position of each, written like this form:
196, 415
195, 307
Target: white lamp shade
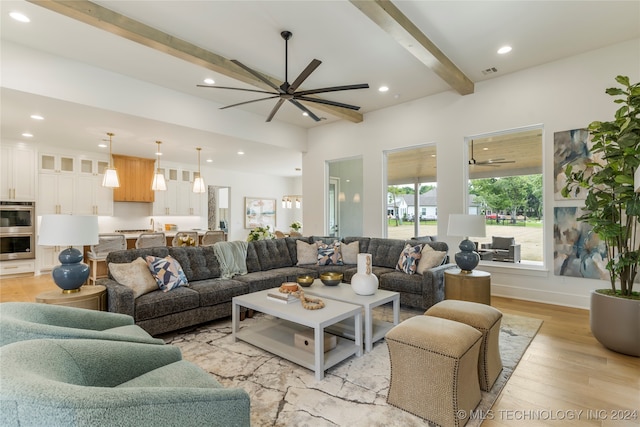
68, 230
158, 183
467, 225
198, 185
110, 178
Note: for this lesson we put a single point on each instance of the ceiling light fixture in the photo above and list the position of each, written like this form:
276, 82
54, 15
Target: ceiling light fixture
27, 135
110, 178
19, 17
198, 183
209, 81
383, 89
158, 183
37, 117
504, 49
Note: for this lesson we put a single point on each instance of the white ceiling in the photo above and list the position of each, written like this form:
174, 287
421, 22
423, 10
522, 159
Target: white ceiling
353, 49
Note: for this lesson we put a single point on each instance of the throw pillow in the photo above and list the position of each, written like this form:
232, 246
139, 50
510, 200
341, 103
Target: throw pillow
134, 275
307, 253
350, 252
329, 254
167, 271
409, 258
430, 258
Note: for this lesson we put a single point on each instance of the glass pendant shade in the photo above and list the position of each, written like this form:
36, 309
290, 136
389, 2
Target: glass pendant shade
158, 183
198, 183
110, 178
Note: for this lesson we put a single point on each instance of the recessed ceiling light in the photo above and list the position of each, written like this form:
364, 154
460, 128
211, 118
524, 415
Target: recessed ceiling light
101, 145
240, 153
19, 17
37, 117
304, 113
484, 148
209, 160
209, 81
504, 49
27, 135
383, 88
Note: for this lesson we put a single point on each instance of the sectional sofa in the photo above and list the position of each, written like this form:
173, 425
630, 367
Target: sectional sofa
269, 263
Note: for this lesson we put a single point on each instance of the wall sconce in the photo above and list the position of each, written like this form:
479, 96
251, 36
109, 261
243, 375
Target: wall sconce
198, 183
158, 183
110, 178
289, 200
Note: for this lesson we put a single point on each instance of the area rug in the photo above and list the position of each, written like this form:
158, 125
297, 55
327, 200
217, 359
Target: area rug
353, 393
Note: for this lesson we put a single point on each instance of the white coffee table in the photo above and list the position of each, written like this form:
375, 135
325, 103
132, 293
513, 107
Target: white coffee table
277, 335
374, 329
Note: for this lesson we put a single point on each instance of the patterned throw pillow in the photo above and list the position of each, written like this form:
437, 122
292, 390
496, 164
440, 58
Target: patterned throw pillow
329, 254
430, 258
409, 258
167, 272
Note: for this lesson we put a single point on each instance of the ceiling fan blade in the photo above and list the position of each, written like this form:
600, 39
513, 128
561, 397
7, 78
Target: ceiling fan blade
234, 88
275, 109
326, 102
305, 109
303, 75
257, 75
333, 89
249, 102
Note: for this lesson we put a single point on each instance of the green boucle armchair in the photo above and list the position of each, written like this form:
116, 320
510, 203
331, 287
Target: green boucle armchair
109, 383
21, 321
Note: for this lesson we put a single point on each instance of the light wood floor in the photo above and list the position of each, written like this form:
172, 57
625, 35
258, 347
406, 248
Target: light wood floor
564, 378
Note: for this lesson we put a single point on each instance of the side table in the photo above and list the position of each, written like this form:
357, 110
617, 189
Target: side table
474, 286
91, 297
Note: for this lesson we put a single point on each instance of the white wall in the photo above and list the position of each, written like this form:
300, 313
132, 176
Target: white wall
562, 95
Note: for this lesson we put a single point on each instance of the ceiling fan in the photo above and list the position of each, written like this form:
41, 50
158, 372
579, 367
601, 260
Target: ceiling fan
489, 162
288, 91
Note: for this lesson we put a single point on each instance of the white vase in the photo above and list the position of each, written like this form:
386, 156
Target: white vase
364, 282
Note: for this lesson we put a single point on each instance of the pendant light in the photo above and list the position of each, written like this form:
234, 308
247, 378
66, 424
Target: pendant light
158, 183
110, 178
198, 183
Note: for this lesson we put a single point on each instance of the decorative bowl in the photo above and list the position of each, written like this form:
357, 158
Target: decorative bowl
331, 278
305, 280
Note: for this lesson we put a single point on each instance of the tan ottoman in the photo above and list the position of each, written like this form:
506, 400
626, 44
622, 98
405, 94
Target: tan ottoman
487, 320
434, 369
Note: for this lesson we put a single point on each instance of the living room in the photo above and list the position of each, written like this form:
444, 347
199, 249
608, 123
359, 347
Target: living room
560, 95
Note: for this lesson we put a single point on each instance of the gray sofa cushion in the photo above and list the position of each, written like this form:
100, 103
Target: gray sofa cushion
214, 291
158, 303
272, 253
253, 265
385, 252
197, 263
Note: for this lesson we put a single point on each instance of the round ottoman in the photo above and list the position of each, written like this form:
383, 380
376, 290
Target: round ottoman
434, 369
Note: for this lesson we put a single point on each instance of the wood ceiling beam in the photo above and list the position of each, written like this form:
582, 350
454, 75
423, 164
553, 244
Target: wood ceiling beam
115, 23
393, 21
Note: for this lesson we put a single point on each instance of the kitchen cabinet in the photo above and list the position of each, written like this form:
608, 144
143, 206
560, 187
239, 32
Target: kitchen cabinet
166, 202
178, 199
18, 173
188, 201
94, 199
57, 163
56, 193
48, 257
135, 175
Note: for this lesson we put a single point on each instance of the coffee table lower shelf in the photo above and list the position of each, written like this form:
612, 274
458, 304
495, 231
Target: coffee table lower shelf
277, 337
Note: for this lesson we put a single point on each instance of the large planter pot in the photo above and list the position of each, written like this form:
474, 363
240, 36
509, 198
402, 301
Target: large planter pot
615, 323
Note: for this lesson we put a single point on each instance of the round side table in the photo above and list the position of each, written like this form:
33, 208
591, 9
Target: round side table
474, 286
91, 297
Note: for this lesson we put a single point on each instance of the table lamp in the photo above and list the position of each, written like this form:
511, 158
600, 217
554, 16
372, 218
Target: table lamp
465, 226
69, 230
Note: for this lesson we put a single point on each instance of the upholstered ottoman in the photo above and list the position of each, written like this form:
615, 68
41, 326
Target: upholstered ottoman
485, 319
434, 369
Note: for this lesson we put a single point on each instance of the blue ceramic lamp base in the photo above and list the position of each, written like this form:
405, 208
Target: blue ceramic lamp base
72, 273
468, 258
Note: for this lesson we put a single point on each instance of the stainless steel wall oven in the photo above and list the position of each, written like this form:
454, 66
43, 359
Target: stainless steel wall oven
17, 230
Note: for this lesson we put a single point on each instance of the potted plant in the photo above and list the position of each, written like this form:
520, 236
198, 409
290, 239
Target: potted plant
612, 208
260, 233
296, 226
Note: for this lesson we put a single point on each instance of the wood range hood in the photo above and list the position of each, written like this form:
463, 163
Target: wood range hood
135, 175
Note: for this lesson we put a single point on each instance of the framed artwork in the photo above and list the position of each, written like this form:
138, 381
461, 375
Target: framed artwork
577, 251
570, 147
259, 213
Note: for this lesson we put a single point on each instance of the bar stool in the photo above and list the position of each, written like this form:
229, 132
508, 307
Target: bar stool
107, 242
151, 239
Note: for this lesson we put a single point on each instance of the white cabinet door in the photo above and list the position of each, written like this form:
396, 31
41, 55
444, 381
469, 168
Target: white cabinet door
18, 175
56, 193
93, 198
